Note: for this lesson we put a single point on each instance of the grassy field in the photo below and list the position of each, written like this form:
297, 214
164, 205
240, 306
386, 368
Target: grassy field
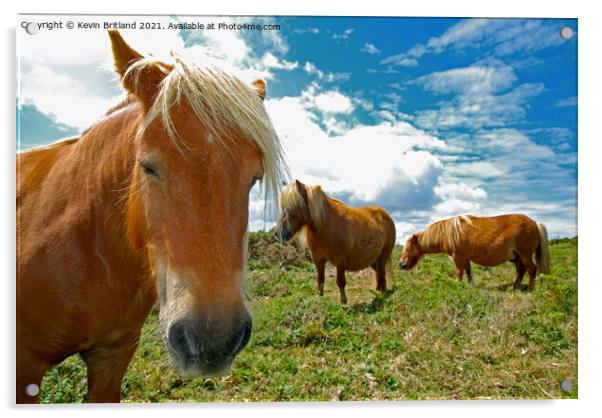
428, 337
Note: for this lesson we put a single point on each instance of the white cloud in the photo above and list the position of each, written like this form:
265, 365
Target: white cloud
568, 101
459, 190
313, 31
56, 93
485, 78
270, 61
225, 45
502, 36
453, 207
461, 34
480, 100
345, 35
310, 68
333, 102
458, 198
70, 73
388, 164
331, 77
401, 60
370, 48
477, 169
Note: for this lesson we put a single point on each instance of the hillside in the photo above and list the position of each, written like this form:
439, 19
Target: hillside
428, 337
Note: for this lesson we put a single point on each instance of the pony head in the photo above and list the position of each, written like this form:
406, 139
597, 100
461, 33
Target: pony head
411, 253
300, 205
202, 141
294, 210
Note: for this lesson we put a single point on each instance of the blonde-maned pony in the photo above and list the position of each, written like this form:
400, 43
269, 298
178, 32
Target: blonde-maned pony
349, 238
149, 204
488, 241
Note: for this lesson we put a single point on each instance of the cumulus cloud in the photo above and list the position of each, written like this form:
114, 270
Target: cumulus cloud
78, 84
333, 102
390, 164
270, 61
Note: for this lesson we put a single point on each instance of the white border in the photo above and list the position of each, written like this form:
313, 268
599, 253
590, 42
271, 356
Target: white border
589, 33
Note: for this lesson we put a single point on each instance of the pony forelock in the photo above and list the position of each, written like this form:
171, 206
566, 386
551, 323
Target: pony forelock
290, 199
223, 104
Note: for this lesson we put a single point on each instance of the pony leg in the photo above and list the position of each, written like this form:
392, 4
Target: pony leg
520, 272
468, 271
321, 267
106, 366
381, 276
459, 273
341, 284
460, 266
531, 269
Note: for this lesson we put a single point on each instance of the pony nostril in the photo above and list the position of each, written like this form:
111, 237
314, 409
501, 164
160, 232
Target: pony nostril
181, 339
243, 336
401, 265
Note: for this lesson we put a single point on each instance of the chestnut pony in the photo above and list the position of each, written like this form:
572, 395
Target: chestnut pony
349, 238
488, 241
150, 203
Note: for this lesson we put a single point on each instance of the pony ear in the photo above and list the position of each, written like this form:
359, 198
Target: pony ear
415, 238
143, 83
260, 88
302, 190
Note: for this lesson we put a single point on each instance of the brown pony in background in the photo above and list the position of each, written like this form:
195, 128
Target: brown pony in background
151, 203
349, 238
488, 241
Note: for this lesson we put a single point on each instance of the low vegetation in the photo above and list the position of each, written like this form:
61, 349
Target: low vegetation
428, 337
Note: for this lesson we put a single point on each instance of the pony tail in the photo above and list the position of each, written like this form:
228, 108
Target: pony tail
389, 268
542, 255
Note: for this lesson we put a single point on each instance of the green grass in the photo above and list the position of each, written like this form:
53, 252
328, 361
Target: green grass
428, 337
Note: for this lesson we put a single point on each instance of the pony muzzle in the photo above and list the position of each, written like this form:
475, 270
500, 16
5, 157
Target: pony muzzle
286, 234
283, 233
199, 348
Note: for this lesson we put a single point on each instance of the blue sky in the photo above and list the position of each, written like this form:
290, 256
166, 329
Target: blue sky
427, 117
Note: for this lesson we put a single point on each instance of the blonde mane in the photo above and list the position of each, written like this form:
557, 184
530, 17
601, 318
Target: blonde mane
290, 199
446, 233
223, 104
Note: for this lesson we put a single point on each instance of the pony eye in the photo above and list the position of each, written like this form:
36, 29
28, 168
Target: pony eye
149, 169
